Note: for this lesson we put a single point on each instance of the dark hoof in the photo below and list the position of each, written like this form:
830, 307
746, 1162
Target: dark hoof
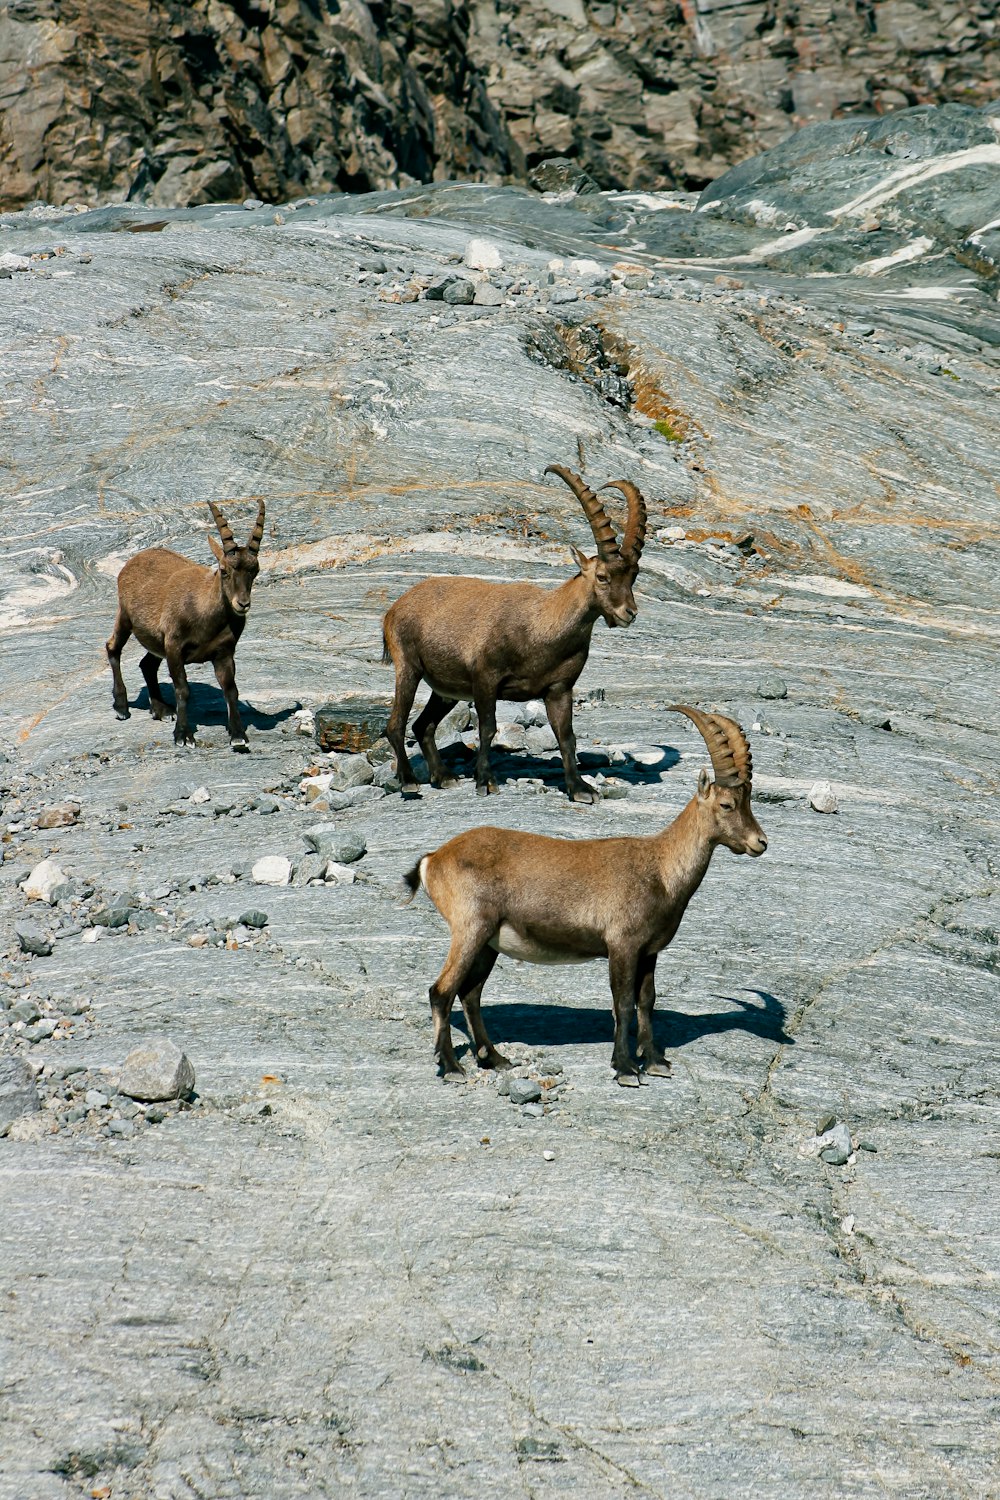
658, 1069
491, 1058
240, 746
187, 738
583, 794
161, 711
486, 789
628, 1080
122, 713
410, 792
453, 1075
444, 782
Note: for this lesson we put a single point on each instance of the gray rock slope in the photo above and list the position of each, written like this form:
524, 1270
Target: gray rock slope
326, 1272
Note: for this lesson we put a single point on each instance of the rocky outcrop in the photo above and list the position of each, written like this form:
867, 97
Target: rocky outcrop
169, 103
652, 93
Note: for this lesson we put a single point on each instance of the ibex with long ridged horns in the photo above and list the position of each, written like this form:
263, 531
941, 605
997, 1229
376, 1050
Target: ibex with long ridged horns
564, 901
481, 641
186, 612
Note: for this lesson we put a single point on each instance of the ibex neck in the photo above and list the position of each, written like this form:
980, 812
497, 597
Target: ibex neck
687, 853
570, 608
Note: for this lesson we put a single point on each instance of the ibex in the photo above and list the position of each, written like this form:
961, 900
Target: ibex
186, 612
481, 641
564, 901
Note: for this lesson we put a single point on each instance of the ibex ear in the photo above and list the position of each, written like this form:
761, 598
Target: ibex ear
704, 784
216, 547
583, 562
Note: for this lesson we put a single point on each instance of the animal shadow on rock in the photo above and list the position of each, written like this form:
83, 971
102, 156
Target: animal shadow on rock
554, 1025
208, 706
519, 765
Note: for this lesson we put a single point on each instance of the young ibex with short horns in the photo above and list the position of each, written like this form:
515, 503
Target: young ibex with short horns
186, 612
564, 901
481, 641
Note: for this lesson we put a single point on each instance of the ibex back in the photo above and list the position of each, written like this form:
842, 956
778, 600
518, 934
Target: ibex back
480, 641
186, 612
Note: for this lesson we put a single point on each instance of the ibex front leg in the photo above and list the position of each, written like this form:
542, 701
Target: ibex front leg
486, 712
559, 707
225, 671
178, 676
622, 973
653, 1060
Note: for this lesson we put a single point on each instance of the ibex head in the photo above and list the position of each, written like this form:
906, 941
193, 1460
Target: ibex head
612, 572
238, 566
726, 800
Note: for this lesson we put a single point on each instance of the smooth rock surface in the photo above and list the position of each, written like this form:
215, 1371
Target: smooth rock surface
335, 1273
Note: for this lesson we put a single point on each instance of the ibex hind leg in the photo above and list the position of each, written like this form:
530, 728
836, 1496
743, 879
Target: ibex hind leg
113, 646
470, 993
424, 728
407, 679
149, 667
453, 978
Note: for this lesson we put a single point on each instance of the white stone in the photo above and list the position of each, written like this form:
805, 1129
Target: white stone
273, 869
555, 264
585, 268
321, 783
202, 794
548, 1156
532, 714
305, 721
11, 262
42, 881
482, 255
822, 798
336, 874
647, 755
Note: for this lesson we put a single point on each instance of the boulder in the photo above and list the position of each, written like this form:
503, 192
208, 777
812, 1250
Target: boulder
157, 1069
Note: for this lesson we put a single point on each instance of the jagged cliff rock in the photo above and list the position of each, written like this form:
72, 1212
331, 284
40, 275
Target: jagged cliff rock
171, 103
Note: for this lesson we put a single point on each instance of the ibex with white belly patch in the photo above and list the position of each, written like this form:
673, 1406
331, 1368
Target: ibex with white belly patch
480, 641
564, 901
186, 612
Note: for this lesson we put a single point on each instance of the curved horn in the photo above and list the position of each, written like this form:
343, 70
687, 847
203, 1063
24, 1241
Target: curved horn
228, 540
604, 536
635, 529
738, 744
256, 536
720, 744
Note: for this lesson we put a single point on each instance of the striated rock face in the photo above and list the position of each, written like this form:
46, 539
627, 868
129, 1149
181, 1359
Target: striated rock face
776, 1273
171, 103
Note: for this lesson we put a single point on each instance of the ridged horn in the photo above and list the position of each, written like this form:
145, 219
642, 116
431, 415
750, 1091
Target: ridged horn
635, 528
727, 745
257, 535
228, 540
739, 745
604, 536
